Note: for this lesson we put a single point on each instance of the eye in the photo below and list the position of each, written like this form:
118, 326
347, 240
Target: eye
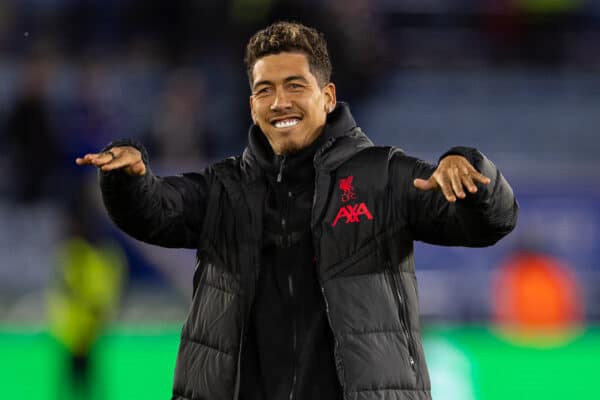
295, 86
262, 91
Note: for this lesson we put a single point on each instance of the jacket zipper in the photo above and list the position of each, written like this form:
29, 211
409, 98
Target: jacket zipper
339, 366
236, 390
281, 167
246, 314
402, 312
286, 237
287, 242
294, 340
196, 280
243, 334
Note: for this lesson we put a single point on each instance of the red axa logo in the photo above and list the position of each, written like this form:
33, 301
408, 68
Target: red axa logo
350, 212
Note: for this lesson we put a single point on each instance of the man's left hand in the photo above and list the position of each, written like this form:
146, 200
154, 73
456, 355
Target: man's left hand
453, 174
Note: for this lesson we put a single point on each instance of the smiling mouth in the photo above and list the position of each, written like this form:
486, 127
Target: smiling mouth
286, 123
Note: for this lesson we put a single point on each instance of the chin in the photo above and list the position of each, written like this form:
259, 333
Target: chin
288, 149
291, 142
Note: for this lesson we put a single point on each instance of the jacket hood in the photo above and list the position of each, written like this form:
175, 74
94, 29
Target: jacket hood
340, 133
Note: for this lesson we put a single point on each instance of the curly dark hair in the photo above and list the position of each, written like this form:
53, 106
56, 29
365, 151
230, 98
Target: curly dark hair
293, 37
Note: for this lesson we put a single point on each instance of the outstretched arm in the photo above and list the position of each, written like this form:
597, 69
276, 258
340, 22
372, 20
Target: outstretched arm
162, 211
463, 201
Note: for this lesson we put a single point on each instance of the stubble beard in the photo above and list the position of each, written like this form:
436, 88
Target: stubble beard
290, 148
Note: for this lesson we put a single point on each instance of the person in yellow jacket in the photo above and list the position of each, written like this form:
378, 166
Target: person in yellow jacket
84, 295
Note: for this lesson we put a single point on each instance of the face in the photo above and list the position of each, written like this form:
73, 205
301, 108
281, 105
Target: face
287, 102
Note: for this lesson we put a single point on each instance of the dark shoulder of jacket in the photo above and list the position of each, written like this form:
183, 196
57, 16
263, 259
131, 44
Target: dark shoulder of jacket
235, 172
404, 166
376, 155
379, 158
384, 162
392, 159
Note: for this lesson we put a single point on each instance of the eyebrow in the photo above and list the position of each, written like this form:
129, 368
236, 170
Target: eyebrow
288, 79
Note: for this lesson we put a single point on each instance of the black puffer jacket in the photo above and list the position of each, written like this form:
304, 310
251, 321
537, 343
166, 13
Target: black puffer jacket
366, 215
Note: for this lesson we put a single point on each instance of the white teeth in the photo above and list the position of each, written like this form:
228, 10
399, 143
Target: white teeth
286, 123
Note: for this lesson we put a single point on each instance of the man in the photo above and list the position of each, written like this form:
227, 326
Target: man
305, 285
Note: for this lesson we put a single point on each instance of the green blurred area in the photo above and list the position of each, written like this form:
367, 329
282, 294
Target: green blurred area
475, 362
126, 363
466, 362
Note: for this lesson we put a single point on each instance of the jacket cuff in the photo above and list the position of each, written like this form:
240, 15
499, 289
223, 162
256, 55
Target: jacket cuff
129, 142
118, 177
470, 153
480, 163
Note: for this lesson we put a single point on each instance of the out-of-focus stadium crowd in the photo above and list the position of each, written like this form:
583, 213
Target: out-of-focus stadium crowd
517, 79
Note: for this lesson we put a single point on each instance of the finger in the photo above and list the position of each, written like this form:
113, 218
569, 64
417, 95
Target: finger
474, 174
425, 184
122, 160
466, 179
82, 161
87, 159
468, 183
480, 178
446, 187
456, 183
99, 159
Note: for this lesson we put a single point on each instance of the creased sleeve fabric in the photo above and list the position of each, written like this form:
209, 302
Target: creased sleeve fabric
481, 219
164, 211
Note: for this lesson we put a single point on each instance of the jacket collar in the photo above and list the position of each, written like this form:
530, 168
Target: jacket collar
340, 140
298, 166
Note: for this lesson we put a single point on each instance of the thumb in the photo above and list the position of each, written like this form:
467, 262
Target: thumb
423, 184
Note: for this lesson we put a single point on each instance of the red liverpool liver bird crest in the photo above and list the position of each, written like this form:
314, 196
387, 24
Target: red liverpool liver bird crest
347, 189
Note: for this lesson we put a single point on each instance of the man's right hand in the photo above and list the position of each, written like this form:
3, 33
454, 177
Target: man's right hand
126, 157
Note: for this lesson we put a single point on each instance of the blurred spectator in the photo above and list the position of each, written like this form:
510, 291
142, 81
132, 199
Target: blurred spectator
33, 147
535, 293
85, 292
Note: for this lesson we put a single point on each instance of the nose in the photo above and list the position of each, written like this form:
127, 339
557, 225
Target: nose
281, 101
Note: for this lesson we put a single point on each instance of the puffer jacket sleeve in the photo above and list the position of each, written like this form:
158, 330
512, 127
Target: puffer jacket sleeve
481, 219
166, 211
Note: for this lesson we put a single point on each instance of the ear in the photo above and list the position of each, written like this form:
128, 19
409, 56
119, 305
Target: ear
252, 113
330, 97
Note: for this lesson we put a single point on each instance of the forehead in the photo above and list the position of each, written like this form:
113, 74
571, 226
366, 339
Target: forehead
277, 67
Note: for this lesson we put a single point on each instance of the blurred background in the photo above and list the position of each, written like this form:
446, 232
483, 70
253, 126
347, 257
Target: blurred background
87, 313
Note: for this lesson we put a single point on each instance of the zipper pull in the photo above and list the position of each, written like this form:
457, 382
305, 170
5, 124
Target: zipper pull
281, 165
291, 285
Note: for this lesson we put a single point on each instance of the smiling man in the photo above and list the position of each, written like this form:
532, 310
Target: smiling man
305, 284
289, 103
